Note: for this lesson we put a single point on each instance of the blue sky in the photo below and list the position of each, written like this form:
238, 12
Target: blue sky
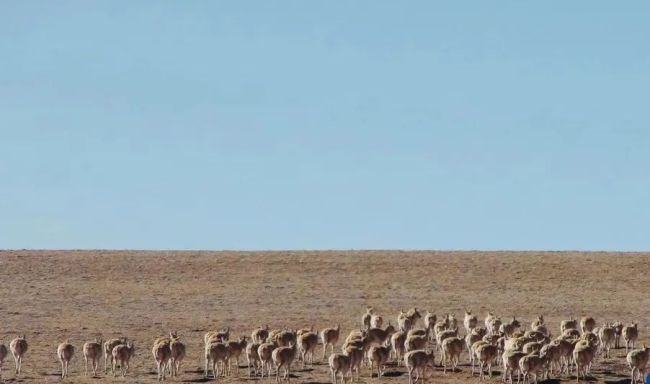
325, 125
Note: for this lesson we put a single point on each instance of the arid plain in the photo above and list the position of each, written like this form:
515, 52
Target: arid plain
52, 296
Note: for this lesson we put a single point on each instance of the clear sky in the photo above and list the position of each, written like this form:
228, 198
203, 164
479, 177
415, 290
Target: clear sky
325, 125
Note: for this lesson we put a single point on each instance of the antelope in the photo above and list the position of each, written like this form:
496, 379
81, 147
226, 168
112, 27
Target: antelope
397, 341
429, 323
568, 324
530, 365
265, 351
92, 351
18, 347
406, 320
365, 319
177, 355
221, 336
618, 332
217, 352
253, 357
451, 349
235, 349
470, 321
161, 353
260, 335
587, 324
109, 345
488, 320
413, 343
339, 363
376, 321
475, 335
356, 358
65, 351
283, 357
3, 355
509, 328
307, 343
551, 353
378, 356
486, 355
418, 361
537, 322
122, 353
510, 361
380, 336
607, 336
330, 336
638, 360
630, 334
583, 355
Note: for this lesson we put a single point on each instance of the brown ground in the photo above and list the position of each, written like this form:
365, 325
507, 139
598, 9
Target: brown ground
77, 295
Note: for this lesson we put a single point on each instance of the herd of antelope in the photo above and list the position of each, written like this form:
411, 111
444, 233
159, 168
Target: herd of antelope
269, 352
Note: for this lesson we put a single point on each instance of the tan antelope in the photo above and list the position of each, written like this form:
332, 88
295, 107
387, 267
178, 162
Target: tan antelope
216, 352
109, 345
537, 322
406, 320
418, 362
469, 321
607, 337
475, 335
122, 354
630, 334
92, 351
260, 335
380, 336
587, 324
510, 327
307, 343
283, 358
365, 319
235, 348
430, 320
568, 324
583, 355
378, 357
339, 363
397, 341
65, 352
510, 360
618, 332
3, 355
216, 336
356, 355
162, 354
329, 337
637, 360
178, 352
415, 342
18, 347
531, 365
551, 354
452, 348
486, 355
287, 338
488, 319
253, 358
264, 352
376, 321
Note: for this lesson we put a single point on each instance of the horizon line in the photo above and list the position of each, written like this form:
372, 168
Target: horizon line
278, 250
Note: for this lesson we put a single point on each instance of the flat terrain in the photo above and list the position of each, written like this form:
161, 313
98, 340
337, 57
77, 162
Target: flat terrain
52, 296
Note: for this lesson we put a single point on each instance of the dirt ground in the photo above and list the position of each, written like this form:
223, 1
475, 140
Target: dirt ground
52, 296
